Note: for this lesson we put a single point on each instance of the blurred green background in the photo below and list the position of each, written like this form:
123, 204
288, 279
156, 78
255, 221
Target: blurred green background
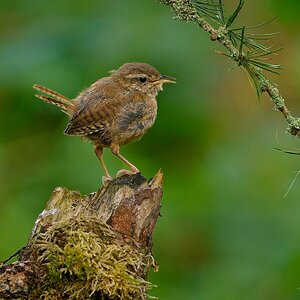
226, 229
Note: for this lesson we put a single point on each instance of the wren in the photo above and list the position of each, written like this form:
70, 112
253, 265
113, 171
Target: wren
114, 110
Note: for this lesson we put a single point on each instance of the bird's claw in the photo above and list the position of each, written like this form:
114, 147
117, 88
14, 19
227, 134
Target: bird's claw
106, 180
127, 172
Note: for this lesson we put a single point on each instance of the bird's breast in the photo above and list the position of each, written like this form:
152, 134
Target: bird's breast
135, 119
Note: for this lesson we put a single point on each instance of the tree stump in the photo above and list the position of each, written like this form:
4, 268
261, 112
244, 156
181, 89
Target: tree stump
97, 246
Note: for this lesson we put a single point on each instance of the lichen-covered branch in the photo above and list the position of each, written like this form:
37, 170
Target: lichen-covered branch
97, 246
186, 10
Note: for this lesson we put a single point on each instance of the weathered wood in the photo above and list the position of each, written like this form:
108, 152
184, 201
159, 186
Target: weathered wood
97, 246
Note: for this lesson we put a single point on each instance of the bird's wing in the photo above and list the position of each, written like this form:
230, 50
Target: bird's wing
94, 115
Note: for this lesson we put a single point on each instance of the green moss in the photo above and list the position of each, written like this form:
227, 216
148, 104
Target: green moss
86, 259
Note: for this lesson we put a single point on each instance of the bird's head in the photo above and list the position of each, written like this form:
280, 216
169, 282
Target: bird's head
141, 77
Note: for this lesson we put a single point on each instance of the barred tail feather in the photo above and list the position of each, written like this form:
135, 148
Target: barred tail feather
64, 103
48, 99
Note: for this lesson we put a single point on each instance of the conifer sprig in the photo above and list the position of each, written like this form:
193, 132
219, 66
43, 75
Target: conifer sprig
249, 50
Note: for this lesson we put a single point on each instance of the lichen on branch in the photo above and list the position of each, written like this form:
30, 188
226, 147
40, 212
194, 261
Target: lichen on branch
246, 50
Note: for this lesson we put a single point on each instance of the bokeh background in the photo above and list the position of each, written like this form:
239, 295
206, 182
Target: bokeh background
226, 229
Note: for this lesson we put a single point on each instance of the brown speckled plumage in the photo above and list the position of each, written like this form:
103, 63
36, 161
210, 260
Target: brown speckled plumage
113, 111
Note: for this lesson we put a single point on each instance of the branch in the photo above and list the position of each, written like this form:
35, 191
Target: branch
97, 246
192, 11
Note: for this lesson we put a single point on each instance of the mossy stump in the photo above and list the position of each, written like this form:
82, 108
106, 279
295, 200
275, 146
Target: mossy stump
97, 246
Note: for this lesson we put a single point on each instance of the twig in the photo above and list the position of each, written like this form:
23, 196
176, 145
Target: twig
188, 10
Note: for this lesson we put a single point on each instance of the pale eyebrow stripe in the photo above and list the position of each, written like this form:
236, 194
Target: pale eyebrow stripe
136, 75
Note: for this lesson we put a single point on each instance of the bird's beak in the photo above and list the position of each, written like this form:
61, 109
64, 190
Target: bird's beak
166, 79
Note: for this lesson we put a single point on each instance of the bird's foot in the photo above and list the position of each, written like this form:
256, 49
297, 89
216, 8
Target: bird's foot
127, 172
106, 180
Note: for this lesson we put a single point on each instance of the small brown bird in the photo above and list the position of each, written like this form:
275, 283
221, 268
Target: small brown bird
113, 111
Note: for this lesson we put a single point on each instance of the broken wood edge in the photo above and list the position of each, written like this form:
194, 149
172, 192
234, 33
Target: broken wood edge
76, 233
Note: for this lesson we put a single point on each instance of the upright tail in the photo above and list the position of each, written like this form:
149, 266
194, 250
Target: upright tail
64, 103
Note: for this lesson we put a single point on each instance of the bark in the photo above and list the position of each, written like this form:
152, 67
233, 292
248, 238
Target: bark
97, 246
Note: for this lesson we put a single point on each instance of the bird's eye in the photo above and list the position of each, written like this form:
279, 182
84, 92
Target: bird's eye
143, 79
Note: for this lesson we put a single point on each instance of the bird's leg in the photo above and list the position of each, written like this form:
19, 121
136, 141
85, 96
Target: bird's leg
99, 153
115, 149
